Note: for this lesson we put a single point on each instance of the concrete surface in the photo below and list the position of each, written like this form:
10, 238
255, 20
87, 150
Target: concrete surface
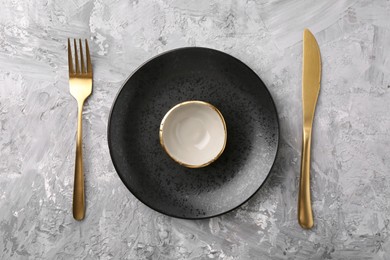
351, 142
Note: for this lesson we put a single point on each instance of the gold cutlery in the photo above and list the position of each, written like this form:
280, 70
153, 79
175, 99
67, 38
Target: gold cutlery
80, 85
311, 78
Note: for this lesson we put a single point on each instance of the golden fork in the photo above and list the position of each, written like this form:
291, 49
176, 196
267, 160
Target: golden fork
80, 85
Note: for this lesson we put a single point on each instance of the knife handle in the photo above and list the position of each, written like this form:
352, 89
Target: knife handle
305, 214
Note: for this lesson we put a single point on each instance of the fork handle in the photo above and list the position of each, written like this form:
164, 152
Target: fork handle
78, 192
305, 214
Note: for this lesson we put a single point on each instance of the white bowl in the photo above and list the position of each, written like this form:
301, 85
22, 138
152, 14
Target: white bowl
193, 133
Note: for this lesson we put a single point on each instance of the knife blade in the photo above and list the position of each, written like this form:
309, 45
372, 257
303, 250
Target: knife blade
311, 79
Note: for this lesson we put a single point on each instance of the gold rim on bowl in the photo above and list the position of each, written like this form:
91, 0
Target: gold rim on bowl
183, 104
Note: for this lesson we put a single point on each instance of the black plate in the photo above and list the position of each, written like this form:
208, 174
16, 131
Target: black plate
193, 74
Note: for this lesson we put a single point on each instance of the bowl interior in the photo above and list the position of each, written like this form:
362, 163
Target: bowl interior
193, 133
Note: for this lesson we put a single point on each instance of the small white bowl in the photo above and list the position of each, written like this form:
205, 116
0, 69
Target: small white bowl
193, 133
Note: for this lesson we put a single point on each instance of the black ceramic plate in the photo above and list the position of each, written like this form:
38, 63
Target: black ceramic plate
193, 74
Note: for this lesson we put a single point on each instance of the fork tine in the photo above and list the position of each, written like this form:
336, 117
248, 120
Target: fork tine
70, 62
89, 64
81, 57
76, 57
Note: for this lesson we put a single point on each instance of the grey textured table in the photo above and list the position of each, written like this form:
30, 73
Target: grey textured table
351, 143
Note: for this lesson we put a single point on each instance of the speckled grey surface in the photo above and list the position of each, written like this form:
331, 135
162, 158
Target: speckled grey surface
351, 142
193, 74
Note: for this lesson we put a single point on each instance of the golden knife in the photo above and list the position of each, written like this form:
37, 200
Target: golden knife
311, 78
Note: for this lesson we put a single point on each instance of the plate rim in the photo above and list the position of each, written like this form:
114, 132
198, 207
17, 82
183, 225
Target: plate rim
109, 142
